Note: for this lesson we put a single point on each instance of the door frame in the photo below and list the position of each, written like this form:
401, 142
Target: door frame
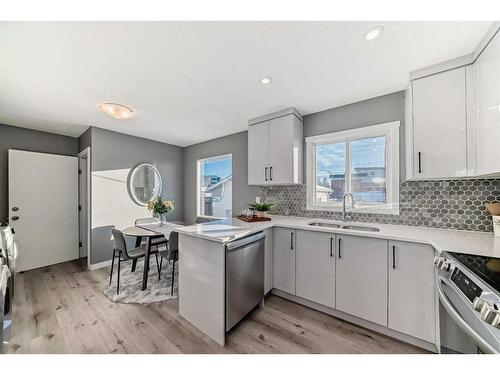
85, 155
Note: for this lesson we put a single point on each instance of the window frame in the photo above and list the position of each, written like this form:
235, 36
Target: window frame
392, 154
198, 185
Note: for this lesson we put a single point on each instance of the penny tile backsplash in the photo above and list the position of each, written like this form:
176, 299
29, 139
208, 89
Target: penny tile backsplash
457, 204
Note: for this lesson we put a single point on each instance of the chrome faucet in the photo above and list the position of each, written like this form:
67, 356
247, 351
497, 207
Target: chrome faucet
343, 204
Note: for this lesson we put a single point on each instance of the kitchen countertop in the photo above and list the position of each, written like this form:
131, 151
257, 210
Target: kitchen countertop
478, 243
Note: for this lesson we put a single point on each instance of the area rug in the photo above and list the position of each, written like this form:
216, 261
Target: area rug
131, 284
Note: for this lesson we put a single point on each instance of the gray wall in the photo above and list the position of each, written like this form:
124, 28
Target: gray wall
235, 144
368, 112
85, 140
29, 140
113, 151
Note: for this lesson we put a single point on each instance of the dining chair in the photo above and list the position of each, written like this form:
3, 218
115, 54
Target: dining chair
120, 249
158, 241
171, 255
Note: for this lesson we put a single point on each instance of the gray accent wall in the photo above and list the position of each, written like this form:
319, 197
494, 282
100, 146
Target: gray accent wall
235, 144
379, 110
85, 140
14, 137
113, 155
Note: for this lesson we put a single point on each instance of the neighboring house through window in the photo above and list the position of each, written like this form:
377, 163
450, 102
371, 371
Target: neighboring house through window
363, 162
215, 187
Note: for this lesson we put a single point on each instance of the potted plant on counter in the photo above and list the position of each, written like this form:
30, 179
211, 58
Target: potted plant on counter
261, 209
161, 207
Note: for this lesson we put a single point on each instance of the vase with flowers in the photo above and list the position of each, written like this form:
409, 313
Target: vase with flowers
160, 208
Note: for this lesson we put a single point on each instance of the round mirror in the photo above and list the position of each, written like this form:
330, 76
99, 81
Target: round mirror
144, 184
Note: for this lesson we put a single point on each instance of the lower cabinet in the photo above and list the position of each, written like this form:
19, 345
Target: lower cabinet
315, 276
268, 260
284, 259
411, 290
361, 277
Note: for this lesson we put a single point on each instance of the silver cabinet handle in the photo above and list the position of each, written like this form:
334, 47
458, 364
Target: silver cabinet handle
271, 173
265, 173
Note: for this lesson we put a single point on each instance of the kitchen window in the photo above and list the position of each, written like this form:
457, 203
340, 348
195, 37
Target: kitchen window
215, 187
363, 162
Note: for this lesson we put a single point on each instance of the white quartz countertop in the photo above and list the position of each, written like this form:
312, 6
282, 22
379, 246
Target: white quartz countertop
478, 243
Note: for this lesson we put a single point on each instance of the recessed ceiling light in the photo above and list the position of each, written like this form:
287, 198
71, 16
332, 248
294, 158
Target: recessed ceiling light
374, 32
265, 80
117, 111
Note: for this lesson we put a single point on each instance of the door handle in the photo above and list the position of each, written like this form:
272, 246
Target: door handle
265, 173
419, 162
291, 241
331, 247
14, 218
393, 257
271, 173
340, 243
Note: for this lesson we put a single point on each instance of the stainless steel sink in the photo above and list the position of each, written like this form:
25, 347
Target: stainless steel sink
361, 228
328, 225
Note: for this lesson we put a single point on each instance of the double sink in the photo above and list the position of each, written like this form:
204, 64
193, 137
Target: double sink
351, 227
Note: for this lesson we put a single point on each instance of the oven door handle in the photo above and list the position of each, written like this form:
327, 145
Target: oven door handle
457, 318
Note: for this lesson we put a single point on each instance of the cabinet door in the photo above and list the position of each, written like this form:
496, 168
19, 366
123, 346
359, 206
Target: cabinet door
361, 277
258, 154
284, 259
281, 157
315, 277
439, 127
268, 260
411, 290
487, 68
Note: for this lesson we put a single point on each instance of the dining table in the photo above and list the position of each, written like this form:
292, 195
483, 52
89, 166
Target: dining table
149, 232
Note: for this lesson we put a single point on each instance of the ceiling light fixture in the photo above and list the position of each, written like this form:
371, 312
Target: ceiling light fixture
374, 33
117, 111
265, 80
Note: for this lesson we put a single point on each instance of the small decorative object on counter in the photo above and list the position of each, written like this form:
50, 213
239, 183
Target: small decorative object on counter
494, 209
261, 209
161, 207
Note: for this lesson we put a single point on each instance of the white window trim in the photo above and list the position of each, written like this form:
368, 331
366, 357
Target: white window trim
391, 131
198, 185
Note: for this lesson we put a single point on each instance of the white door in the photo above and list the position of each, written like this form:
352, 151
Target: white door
281, 132
284, 260
82, 204
411, 289
258, 154
488, 108
440, 125
361, 278
43, 207
315, 278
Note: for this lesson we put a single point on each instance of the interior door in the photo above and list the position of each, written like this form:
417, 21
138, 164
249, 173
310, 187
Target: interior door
43, 207
82, 203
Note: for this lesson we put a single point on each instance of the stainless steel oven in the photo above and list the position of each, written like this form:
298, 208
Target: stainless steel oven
469, 316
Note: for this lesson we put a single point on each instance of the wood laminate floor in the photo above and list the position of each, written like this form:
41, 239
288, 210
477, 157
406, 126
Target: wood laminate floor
61, 309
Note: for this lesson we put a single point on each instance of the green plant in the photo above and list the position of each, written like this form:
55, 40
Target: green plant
261, 206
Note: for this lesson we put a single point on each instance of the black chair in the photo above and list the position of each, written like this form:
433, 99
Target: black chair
124, 254
171, 255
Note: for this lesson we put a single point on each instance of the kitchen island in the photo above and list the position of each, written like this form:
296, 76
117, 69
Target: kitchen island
202, 251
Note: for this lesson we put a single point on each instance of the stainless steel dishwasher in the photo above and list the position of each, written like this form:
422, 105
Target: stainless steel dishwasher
244, 277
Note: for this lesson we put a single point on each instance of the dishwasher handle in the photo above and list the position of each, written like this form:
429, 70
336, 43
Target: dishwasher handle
245, 241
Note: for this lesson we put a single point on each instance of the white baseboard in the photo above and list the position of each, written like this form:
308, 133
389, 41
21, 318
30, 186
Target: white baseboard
96, 266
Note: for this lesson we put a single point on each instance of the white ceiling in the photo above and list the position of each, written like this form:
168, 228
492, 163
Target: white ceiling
194, 81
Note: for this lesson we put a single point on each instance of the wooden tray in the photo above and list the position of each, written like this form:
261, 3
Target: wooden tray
253, 219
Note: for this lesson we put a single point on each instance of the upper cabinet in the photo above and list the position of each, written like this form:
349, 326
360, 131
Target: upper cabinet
487, 84
440, 125
453, 117
275, 149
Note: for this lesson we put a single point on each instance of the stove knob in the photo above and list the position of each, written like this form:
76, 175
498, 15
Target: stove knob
491, 315
436, 259
480, 305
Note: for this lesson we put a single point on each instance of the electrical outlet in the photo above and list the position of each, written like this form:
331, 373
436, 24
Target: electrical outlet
257, 199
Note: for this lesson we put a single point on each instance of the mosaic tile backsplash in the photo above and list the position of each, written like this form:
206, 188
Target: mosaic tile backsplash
457, 204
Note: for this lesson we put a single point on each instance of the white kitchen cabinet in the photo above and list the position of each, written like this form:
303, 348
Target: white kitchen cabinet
284, 259
487, 79
411, 290
275, 149
268, 260
315, 257
439, 113
361, 277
